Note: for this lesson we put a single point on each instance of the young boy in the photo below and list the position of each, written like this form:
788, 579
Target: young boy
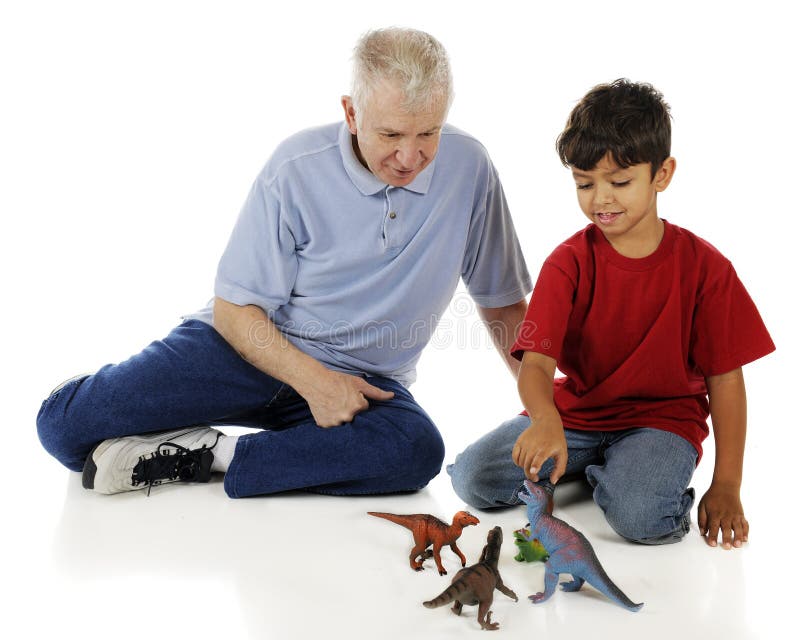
650, 325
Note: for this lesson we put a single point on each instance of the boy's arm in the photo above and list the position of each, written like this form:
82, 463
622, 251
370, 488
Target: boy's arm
544, 439
720, 509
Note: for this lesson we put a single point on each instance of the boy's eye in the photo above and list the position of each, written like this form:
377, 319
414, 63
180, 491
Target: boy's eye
621, 183
587, 185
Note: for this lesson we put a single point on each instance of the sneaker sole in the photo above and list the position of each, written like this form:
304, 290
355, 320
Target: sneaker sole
89, 470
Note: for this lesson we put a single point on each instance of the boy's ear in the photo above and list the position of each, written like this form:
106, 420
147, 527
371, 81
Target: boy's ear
664, 174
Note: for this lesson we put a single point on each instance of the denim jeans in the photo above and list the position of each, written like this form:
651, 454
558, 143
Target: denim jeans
194, 377
640, 477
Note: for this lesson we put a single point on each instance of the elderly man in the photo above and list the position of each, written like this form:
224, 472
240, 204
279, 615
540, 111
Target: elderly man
347, 251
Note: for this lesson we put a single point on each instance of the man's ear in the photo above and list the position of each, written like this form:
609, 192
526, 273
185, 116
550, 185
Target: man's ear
349, 114
664, 174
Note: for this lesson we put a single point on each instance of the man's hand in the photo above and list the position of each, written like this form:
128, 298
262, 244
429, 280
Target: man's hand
337, 397
720, 510
542, 440
333, 397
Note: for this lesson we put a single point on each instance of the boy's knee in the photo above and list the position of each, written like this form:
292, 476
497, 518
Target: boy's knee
484, 475
480, 482
464, 476
647, 519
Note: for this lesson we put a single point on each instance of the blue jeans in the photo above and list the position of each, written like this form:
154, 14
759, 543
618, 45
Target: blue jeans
640, 477
194, 377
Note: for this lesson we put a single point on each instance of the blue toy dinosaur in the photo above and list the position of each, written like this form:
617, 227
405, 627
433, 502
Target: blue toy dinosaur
570, 552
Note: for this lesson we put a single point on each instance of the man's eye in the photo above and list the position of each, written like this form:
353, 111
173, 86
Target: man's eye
584, 186
622, 183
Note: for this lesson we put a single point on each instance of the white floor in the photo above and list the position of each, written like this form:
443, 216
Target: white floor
131, 135
189, 562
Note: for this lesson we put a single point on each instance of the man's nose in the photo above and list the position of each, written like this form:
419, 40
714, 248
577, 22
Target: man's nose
408, 154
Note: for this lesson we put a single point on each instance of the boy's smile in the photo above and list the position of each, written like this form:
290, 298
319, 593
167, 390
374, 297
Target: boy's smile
622, 203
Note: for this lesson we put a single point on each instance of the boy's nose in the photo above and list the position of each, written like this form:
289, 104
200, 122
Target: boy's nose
603, 195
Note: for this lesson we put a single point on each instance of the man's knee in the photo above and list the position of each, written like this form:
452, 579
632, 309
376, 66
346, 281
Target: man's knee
400, 447
425, 455
55, 429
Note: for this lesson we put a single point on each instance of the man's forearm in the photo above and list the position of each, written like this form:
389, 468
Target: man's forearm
254, 336
503, 324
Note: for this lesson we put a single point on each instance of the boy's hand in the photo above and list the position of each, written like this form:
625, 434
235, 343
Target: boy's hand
720, 509
543, 440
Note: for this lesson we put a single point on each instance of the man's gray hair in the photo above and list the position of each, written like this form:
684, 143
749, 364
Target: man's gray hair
414, 61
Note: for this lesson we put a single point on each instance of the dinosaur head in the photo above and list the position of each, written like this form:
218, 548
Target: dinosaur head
464, 519
537, 498
495, 536
491, 551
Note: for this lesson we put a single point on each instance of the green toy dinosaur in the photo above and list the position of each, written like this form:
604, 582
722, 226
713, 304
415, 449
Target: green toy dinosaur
529, 550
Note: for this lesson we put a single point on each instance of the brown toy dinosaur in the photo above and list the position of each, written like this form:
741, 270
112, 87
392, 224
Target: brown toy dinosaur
476, 584
428, 531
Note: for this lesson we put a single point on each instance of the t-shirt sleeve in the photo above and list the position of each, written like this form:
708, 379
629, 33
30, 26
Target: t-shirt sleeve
259, 264
727, 331
548, 314
494, 269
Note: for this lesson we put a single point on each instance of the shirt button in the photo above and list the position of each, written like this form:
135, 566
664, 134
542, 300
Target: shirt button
392, 215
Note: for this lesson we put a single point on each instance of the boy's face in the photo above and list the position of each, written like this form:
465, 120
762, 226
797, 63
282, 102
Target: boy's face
622, 202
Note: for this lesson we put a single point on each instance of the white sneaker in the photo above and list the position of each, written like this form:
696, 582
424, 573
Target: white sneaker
135, 462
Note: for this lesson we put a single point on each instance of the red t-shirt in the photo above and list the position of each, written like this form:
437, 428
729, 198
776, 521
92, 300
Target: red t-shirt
635, 338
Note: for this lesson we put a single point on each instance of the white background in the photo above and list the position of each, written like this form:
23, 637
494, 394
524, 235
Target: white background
129, 135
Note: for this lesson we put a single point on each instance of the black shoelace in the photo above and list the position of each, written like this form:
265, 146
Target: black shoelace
169, 461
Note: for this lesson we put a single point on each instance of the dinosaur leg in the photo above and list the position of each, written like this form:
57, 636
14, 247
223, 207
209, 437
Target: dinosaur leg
437, 548
457, 606
457, 551
574, 585
485, 616
550, 582
416, 552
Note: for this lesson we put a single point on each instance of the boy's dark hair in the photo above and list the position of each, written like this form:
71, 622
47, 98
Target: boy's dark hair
629, 120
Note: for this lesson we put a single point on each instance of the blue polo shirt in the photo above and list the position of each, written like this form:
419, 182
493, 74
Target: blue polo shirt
357, 273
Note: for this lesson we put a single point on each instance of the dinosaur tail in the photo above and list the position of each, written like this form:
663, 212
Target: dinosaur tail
447, 596
461, 585
606, 586
405, 521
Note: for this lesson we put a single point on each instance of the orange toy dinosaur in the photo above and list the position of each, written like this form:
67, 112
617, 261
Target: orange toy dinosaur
428, 531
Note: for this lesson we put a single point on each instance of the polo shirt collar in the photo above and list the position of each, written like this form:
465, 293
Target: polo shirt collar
364, 180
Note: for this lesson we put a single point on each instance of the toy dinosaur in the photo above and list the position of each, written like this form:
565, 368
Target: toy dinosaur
476, 584
428, 531
530, 549
570, 552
